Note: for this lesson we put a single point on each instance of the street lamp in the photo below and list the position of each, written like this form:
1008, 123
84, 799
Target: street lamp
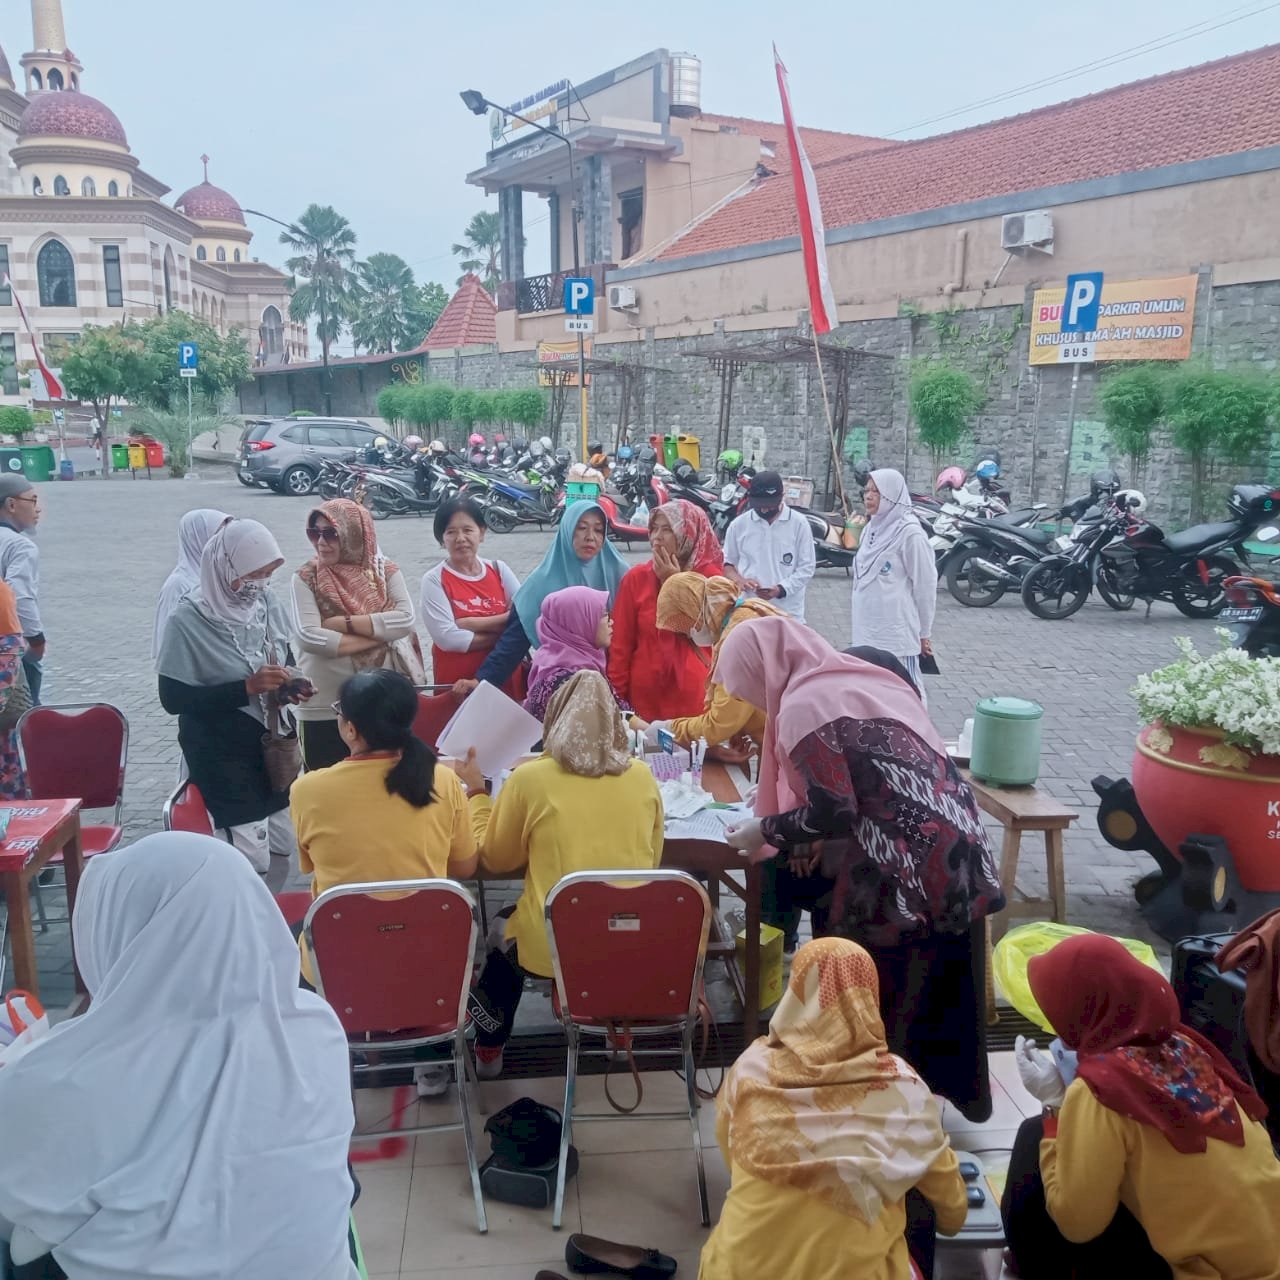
476, 103
295, 230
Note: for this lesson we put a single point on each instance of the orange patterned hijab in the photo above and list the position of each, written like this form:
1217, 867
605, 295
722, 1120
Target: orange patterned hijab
820, 1103
358, 582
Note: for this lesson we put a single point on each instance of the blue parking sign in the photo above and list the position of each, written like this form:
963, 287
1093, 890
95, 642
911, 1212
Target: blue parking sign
188, 355
579, 295
1080, 306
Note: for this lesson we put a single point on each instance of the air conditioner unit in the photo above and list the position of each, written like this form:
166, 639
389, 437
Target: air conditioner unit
1033, 230
622, 297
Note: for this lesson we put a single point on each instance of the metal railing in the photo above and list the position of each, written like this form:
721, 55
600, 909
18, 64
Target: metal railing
533, 294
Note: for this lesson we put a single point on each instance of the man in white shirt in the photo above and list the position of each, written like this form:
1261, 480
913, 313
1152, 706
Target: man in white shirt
768, 551
20, 568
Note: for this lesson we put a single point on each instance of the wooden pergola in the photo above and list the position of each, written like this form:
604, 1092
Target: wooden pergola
628, 373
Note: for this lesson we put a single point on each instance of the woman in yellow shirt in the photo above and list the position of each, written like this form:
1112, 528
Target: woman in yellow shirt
1153, 1161
825, 1133
706, 610
584, 805
389, 811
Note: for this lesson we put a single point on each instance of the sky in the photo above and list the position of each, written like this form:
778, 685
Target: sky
356, 105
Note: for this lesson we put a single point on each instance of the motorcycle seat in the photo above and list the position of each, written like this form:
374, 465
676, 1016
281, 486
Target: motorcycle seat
1019, 517
1201, 535
522, 486
1029, 532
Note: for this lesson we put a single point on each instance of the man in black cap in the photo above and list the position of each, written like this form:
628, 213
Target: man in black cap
768, 550
20, 568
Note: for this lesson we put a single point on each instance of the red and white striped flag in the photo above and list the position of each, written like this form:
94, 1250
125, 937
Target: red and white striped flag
54, 390
822, 301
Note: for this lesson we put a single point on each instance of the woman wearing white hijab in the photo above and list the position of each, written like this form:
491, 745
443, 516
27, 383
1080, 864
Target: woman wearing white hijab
222, 655
895, 579
194, 1123
194, 531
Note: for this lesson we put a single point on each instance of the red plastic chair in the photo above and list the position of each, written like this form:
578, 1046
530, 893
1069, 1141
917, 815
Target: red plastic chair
628, 948
400, 961
185, 811
434, 712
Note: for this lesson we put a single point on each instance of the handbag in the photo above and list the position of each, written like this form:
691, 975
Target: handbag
18, 703
405, 656
281, 751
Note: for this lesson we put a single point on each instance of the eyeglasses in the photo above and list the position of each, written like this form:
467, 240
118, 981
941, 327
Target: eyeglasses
31, 497
336, 708
322, 534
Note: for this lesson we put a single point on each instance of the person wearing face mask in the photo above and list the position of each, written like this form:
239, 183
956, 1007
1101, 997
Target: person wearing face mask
20, 568
222, 657
768, 551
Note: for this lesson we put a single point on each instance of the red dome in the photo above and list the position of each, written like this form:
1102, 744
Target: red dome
207, 203
69, 114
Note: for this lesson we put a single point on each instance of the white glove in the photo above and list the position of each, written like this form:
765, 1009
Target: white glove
1040, 1075
651, 734
746, 837
749, 795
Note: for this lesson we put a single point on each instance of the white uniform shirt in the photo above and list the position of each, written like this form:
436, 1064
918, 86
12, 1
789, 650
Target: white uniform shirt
776, 555
895, 596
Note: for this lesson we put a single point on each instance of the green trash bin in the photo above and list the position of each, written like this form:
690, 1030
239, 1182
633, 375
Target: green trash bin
11, 462
1006, 741
38, 462
119, 457
670, 451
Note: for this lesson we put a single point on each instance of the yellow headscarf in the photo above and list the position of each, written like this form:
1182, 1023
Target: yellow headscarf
688, 599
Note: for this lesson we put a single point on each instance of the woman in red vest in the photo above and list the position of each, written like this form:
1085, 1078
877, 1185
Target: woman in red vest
466, 600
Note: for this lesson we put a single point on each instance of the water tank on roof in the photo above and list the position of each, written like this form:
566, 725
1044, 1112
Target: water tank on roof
686, 84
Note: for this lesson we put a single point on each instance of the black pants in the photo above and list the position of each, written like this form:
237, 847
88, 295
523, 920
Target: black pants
321, 744
1042, 1252
496, 997
35, 676
784, 895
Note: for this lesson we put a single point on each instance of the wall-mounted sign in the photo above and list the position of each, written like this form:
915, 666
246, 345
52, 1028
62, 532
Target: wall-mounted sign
1137, 320
537, 106
558, 363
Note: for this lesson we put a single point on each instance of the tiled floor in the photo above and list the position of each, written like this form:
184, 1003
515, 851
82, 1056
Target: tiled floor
636, 1184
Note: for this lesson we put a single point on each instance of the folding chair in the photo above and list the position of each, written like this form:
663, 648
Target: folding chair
627, 950
77, 751
185, 810
394, 959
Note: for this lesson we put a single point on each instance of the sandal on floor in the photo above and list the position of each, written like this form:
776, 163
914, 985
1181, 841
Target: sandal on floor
589, 1255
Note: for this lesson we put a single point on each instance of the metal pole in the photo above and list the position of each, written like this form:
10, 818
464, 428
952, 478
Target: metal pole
191, 445
1071, 433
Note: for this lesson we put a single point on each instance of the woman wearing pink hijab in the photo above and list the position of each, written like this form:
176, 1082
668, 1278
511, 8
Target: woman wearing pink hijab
574, 629
859, 795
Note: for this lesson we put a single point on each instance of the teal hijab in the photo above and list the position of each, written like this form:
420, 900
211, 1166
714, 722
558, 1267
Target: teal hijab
561, 568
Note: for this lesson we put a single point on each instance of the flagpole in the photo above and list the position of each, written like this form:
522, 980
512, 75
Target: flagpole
831, 430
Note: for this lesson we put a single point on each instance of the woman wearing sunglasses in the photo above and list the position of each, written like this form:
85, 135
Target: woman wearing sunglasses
351, 612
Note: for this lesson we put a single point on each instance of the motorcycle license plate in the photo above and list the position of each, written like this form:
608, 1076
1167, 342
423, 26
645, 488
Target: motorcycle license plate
1240, 615
1061, 544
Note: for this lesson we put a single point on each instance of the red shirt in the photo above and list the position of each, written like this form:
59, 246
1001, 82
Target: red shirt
471, 599
658, 672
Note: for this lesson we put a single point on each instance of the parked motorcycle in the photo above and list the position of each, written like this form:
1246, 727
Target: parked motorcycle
529, 499
1130, 558
416, 490
1252, 615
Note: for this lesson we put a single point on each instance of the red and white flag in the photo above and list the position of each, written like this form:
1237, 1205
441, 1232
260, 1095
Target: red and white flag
54, 390
822, 301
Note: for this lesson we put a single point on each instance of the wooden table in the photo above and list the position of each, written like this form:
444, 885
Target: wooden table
38, 829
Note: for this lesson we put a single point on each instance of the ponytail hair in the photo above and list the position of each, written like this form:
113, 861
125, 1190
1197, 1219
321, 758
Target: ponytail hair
381, 706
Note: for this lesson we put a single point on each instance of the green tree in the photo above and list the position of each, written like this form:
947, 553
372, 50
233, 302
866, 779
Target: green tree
107, 365
425, 309
481, 249
527, 408
16, 421
1133, 401
385, 300
943, 399
1216, 413
324, 249
465, 407
223, 365
393, 403
173, 431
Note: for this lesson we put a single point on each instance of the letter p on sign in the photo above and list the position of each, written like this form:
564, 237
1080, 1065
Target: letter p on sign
579, 295
1084, 297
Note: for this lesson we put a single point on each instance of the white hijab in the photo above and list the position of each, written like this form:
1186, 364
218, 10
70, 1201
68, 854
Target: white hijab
892, 522
194, 531
239, 548
194, 1123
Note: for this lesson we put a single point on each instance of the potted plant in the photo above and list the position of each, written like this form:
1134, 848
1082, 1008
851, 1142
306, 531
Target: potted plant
1208, 760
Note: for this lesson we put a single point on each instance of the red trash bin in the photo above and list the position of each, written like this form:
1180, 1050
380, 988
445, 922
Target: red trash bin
155, 453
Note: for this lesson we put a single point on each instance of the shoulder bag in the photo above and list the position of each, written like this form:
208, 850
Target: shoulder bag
281, 751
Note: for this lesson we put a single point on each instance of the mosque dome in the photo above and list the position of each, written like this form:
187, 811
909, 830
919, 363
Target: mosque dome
207, 203
70, 114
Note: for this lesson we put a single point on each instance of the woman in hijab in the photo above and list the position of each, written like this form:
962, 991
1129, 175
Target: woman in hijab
706, 610
895, 579
1154, 1153
538, 823
653, 670
195, 1121
825, 1133
351, 612
580, 556
574, 634
851, 760
222, 658
194, 530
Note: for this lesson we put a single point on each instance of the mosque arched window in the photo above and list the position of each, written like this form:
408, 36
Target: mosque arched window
236, 255
61, 187
201, 253
221, 254
36, 81
88, 187
37, 187
54, 80
113, 188
56, 275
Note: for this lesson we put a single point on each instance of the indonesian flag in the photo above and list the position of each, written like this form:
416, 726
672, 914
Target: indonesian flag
54, 390
822, 302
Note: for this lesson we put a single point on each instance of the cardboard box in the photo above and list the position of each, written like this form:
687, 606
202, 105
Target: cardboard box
770, 963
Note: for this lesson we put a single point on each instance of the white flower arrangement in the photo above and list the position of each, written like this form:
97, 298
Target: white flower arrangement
1228, 691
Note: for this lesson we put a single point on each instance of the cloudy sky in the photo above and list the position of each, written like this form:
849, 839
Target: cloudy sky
356, 105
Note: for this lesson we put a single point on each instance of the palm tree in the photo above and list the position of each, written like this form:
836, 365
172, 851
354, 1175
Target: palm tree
481, 251
386, 300
324, 249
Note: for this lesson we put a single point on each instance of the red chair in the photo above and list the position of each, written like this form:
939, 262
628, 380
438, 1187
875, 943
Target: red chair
185, 811
400, 961
434, 713
628, 948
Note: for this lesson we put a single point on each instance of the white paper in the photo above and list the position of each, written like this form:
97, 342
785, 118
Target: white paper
710, 824
500, 729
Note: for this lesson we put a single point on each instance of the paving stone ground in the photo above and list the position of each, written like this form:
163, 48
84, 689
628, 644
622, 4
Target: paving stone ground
106, 547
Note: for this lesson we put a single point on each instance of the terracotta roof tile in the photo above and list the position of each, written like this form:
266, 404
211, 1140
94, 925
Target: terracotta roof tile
468, 320
821, 144
1218, 108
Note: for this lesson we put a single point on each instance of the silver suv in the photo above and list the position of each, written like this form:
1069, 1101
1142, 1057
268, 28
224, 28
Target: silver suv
285, 454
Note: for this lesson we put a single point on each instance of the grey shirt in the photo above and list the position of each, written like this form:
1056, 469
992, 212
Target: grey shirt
20, 568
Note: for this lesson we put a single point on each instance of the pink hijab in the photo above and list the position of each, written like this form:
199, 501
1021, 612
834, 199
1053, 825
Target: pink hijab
566, 628
801, 683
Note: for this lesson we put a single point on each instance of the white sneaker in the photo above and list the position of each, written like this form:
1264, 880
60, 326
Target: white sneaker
489, 1068
432, 1079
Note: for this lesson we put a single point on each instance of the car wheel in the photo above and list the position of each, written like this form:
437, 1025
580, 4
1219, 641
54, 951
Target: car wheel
298, 482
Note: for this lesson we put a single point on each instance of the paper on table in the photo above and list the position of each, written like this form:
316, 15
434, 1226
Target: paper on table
500, 730
710, 824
